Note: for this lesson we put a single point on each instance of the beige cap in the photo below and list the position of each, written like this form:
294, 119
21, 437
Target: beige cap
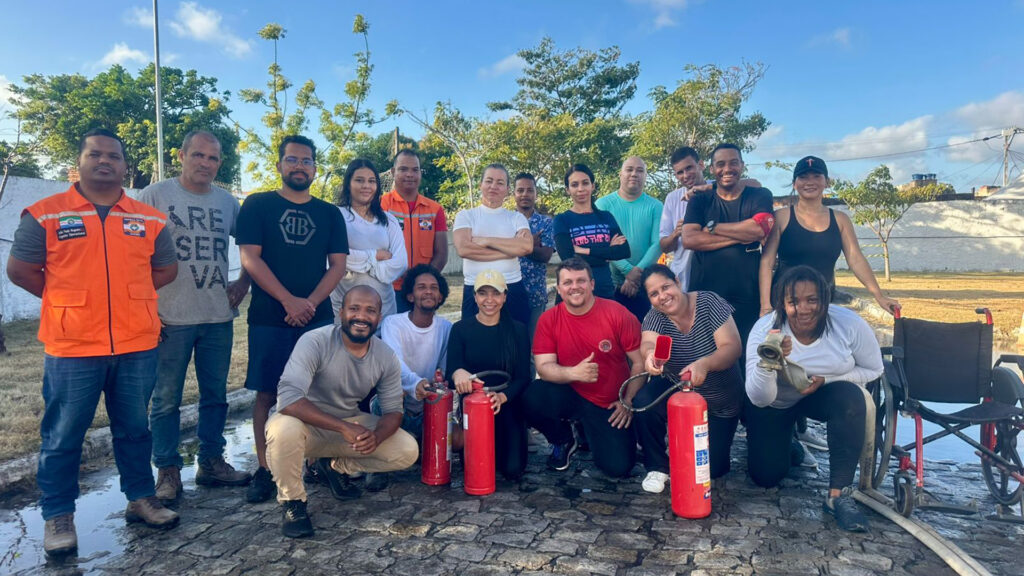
491, 278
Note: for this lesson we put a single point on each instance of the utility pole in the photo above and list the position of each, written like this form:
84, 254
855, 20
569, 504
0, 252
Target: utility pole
1008, 134
159, 107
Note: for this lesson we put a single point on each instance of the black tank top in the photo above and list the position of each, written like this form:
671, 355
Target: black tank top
819, 250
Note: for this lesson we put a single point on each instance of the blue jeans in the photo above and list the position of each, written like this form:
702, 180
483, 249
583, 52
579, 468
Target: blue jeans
71, 390
411, 422
211, 345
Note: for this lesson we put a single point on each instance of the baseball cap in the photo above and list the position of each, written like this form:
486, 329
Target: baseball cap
491, 278
810, 164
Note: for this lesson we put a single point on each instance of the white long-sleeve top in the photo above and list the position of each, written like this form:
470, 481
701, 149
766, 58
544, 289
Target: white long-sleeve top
421, 351
848, 350
362, 266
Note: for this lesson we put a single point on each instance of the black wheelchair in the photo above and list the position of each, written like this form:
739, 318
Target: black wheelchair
934, 363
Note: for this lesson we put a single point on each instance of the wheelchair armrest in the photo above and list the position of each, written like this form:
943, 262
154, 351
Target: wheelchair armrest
886, 350
1017, 359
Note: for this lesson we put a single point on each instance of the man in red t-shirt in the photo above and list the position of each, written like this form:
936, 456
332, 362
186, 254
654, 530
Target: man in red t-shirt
584, 348
423, 222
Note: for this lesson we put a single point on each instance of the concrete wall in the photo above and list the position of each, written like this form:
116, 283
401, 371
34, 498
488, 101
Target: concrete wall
958, 236
15, 303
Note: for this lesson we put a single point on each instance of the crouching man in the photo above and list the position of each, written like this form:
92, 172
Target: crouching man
317, 416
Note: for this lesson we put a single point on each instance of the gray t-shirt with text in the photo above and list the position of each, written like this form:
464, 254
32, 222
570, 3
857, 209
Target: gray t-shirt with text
323, 371
200, 225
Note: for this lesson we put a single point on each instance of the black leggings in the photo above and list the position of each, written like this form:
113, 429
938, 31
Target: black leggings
510, 441
770, 433
652, 424
549, 407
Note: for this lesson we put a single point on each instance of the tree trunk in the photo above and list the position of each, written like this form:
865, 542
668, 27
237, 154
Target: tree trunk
3, 182
3, 340
885, 256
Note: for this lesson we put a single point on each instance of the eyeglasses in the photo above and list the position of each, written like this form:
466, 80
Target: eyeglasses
292, 161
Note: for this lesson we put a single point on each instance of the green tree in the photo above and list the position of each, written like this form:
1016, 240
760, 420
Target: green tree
57, 110
337, 123
18, 160
568, 109
879, 205
455, 144
703, 111
585, 85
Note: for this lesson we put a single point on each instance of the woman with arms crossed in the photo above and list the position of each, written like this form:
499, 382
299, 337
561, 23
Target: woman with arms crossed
588, 232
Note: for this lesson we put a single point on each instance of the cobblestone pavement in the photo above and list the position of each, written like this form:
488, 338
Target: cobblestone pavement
573, 522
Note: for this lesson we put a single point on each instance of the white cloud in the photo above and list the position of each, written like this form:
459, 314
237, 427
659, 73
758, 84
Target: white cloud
123, 55
141, 17
510, 63
985, 119
5, 91
204, 25
665, 11
840, 37
872, 141
901, 170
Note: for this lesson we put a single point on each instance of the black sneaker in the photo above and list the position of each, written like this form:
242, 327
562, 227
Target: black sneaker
311, 474
341, 484
262, 487
295, 522
847, 513
377, 481
560, 454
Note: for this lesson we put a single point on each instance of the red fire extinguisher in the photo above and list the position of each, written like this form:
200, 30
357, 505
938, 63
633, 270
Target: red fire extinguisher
437, 445
688, 442
478, 424
688, 452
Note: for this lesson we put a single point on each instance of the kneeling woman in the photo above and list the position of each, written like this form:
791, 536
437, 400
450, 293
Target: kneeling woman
491, 340
705, 342
840, 355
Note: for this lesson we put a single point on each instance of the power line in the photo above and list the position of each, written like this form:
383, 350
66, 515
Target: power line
914, 151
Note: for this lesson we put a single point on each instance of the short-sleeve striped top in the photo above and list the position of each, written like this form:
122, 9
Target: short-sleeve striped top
723, 390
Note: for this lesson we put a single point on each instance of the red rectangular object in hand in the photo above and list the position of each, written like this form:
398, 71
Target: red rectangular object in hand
663, 348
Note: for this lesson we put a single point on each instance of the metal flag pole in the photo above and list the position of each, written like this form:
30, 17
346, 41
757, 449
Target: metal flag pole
159, 107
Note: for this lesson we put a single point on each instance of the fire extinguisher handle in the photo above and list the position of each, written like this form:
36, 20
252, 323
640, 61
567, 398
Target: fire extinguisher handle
437, 392
504, 377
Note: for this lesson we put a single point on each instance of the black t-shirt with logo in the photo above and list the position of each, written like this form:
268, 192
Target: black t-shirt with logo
295, 241
730, 272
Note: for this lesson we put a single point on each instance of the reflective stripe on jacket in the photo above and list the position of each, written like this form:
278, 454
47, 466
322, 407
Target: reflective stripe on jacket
99, 297
418, 226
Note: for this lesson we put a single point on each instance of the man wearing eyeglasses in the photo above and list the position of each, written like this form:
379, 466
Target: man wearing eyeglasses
423, 222
725, 230
293, 246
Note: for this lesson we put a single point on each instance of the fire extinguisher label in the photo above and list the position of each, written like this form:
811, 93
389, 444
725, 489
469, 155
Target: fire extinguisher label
465, 421
702, 463
448, 439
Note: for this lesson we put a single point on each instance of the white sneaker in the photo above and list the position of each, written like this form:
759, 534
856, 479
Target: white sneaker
811, 439
655, 482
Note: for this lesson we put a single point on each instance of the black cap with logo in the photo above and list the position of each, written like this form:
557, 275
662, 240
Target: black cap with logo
810, 164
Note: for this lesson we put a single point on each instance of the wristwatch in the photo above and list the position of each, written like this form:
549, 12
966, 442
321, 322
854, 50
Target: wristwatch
711, 227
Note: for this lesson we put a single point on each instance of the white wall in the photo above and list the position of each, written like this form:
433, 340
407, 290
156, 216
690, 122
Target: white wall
20, 193
958, 236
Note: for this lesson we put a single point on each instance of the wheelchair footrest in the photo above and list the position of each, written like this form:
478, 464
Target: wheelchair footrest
925, 501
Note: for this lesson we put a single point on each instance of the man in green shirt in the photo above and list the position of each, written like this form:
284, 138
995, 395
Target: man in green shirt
638, 215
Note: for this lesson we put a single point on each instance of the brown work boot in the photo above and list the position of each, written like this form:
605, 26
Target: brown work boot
168, 483
59, 536
152, 512
217, 472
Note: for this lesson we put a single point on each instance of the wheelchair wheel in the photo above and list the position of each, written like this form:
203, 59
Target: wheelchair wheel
903, 493
1001, 484
885, 415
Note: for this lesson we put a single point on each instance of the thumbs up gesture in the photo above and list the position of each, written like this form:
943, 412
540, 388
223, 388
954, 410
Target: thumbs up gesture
586, 370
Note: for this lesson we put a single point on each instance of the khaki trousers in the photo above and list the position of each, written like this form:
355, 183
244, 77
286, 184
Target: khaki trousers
291, 441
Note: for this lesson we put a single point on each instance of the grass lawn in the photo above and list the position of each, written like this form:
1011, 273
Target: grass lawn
944, 297
952, 297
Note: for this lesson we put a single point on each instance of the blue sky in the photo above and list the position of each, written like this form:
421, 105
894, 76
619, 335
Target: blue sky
844, 80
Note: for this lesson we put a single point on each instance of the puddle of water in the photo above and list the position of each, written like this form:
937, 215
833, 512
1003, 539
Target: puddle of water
99, 513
